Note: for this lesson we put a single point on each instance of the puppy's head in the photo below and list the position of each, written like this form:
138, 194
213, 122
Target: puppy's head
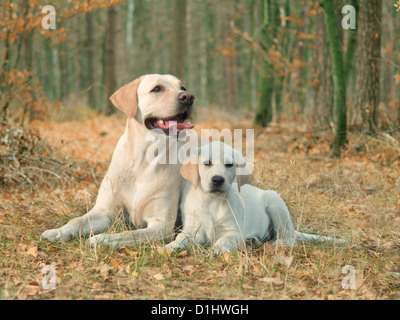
215, 167
157, 102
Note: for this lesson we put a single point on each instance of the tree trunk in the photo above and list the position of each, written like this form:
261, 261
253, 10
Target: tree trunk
110, 76
141, 38
28, 66
265, 91
267, 79
351, 45
92, 101
5, 69
63, 71
178, 49
50, 78
339, 101
368, 67
323, 110
209, 21
250, 64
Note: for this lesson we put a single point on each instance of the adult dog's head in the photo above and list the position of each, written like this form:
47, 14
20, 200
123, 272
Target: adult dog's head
215, 167
157, 102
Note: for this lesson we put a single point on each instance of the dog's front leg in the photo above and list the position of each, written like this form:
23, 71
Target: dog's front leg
95, 221
156, 230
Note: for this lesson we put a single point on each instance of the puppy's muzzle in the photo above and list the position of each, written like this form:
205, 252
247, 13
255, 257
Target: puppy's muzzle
217, 181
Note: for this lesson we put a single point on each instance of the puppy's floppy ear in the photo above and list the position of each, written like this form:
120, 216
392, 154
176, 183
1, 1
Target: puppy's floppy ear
190, 171
243, 171
125, 99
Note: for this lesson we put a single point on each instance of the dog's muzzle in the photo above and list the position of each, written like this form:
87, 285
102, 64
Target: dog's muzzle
174, 124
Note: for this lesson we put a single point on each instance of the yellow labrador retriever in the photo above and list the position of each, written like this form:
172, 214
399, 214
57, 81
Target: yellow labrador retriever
146, 192
225, 214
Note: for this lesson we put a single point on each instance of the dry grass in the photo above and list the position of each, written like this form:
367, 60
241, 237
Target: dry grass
356, 198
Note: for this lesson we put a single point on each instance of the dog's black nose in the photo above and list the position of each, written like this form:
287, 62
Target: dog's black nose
217, 181
186, 98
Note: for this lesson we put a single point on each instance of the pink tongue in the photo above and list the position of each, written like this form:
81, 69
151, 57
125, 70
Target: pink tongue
181, 126
184, 126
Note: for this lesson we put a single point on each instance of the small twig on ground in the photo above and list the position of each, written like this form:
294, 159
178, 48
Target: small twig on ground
44, 170
376, 134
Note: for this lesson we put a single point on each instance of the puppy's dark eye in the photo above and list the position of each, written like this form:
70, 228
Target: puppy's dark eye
229, 165
157, 89
183, 88
208, 163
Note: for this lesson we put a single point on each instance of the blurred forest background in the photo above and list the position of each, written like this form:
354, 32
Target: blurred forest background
271, 57
286, 68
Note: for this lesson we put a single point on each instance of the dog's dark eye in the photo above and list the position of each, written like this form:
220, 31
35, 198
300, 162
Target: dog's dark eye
207, 163
183, 88
157, 89
229, 165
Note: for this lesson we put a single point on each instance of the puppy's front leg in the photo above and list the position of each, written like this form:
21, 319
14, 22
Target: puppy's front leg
192, 233
181, 241
229, 241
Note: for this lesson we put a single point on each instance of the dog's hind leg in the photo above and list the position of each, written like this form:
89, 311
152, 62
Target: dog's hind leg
282, 225
155, 231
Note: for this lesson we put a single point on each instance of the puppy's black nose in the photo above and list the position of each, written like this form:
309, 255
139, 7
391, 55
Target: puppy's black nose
217, 181
186, 98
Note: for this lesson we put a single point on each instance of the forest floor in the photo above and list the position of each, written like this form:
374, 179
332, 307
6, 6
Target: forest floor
356, 198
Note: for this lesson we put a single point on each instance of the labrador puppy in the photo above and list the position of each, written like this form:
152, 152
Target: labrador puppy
217, 211
147, 193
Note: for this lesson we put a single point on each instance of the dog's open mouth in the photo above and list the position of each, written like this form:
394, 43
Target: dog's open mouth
174, 124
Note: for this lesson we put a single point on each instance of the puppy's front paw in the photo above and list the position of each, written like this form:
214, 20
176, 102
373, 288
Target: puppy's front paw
55, 235
172, 246
221, 249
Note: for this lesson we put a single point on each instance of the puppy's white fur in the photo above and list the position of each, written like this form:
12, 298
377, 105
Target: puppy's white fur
231, 214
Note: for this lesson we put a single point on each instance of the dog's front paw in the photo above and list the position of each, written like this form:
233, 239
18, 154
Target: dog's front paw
95, 240
105, 239
55, 235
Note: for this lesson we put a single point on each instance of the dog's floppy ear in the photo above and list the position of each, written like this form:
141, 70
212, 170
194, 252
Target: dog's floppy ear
190, 171
125, 99
243, 171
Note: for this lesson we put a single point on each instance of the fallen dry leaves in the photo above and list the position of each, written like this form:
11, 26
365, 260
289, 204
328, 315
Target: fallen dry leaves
284, 260
33, 252
356, 197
